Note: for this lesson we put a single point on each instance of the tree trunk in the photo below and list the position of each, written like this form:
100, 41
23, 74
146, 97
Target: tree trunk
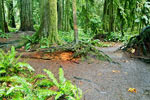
1, 17
26, 15
49, 23
111, 20
60, 14
5, 23
11, 17
75, 22
53, 22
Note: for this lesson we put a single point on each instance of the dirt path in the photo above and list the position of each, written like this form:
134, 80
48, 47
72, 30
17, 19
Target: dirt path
104, 81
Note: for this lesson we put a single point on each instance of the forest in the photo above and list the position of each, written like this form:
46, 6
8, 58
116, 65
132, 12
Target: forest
74, 49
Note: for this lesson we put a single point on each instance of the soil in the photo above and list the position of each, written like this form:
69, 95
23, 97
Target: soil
101, 80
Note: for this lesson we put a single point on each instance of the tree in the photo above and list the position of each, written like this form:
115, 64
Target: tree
4, 20
11, 16
108, 17
53, 23
49, 23
26, 15
60, 14
75, 22
1, 17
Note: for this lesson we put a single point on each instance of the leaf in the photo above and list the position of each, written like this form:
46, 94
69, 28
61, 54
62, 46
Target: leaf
39, 76
132, 90
12, 89
2, 71
61, 75
44, 82
25, 85
59, 94
22, 64
6, 79
2, 65
44, 93
51, 76
2, 92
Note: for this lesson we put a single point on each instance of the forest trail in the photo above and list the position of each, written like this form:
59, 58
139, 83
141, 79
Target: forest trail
102, 80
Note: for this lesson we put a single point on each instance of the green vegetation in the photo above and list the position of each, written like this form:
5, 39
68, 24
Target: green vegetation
17, 81
76, 26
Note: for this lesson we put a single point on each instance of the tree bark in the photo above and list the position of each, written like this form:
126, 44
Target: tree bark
49, 23
26, 15
1, 17
75, 22
111, 20
11, 17
53, 22
60, 14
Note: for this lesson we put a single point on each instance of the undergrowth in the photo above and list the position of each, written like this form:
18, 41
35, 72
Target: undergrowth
4, 35
18, 82
117, 37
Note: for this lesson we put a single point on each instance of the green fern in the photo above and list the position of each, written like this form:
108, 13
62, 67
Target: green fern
51, 76
9, 64
65, 88
44, 83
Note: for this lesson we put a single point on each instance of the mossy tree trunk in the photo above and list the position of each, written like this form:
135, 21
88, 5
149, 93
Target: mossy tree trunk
1, 17
75, 22
4, 21
108, 17
11, 17
111, 20
53, 23
60, 14
26, 16
49, 23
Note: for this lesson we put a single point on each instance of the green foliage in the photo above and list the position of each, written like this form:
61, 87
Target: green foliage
68, 37
142, 12
30, 40
4, 35
113, 36
117, 37
12, 29
9, 64
44, 42
22, 90
86, 48
65, 88
140, 42
16, 84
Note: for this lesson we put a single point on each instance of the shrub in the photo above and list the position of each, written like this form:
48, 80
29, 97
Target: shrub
17, 81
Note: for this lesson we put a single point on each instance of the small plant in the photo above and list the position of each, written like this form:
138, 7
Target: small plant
21, 89
4, 35
9, 64
86, 48
114, 37
66, 89
30, 40
17, 81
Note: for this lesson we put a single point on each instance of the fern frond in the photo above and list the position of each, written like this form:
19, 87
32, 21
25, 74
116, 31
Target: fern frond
59, 94
39, 76
51, 76
61, 76
12, 89
22, 65
43, 93
2, 92
44, 82
2, 71
5, 79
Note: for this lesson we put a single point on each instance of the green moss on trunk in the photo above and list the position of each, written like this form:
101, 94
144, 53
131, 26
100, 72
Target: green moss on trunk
53, 30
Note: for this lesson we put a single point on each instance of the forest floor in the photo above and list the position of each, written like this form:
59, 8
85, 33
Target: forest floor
101, 80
